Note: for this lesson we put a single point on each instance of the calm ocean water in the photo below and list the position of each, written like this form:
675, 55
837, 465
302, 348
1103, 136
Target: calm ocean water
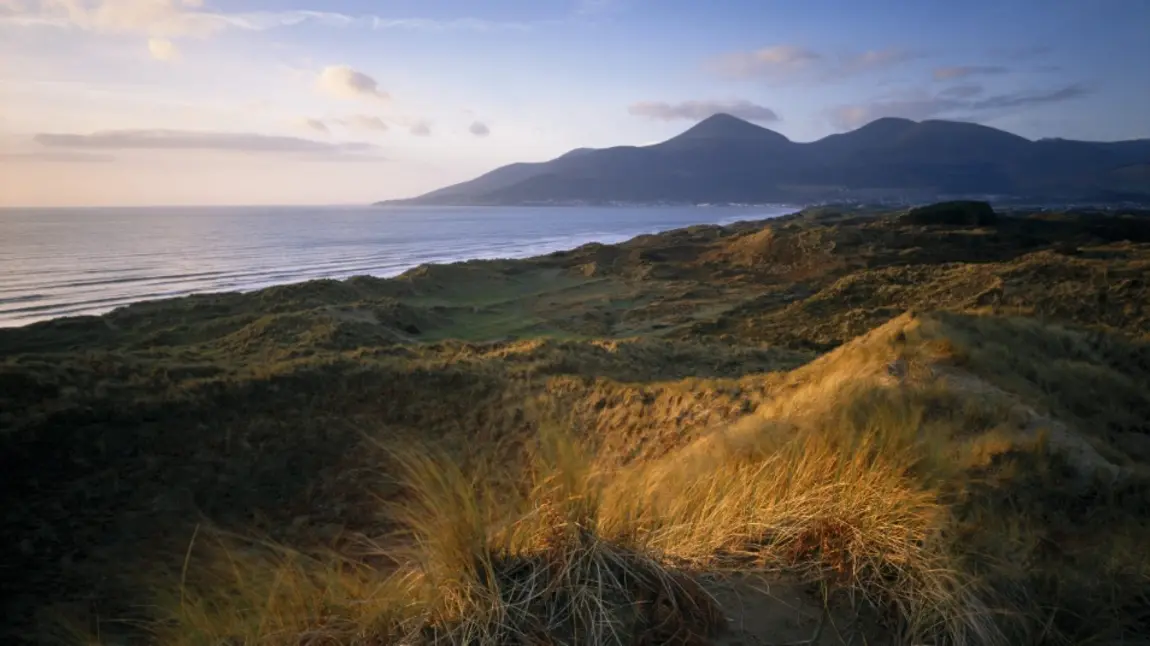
66, 262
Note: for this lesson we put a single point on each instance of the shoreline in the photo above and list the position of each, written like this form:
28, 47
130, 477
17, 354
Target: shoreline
22, 306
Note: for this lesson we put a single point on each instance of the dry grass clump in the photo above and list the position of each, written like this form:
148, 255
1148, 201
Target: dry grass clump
841, 502
479, 563
497, 565
845, 497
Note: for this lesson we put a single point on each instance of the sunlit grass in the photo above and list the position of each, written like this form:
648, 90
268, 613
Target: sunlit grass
584, 555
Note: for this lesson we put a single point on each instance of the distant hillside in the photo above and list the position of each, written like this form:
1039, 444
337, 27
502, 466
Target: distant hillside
725, 159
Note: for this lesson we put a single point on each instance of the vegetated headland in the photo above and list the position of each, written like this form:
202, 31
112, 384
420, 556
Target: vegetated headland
928, 425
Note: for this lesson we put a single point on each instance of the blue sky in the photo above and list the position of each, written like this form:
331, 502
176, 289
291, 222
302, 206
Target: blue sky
344, 101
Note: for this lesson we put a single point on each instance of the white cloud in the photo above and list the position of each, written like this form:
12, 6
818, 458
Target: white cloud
163, 49
697, 110
341, 81
420, 129
479, 129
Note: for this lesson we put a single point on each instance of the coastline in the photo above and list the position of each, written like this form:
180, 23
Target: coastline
350, 242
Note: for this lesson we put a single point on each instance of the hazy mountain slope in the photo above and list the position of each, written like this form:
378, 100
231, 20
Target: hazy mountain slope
726, 159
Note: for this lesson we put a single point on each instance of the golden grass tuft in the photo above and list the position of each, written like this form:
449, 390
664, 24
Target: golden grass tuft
498, 566
840, 499
838, 504
480, 563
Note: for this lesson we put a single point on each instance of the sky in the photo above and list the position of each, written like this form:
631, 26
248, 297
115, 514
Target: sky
158, 102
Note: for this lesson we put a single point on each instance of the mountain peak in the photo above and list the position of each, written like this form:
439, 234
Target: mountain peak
890, 121
896, 131
725, 159
723, 119
888, 126
725, 126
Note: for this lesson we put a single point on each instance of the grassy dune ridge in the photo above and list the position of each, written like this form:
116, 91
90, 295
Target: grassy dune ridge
908, 429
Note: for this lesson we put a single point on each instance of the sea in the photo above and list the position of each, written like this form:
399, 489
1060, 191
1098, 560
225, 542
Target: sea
57, 262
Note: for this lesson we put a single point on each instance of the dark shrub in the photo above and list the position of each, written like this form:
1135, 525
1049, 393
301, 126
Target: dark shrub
956, 213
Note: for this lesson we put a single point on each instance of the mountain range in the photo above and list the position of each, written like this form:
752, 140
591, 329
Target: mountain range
724, 159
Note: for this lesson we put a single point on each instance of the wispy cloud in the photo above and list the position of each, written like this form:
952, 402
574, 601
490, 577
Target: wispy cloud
272, 20
341, 81
1025, 99
160, 18
479, 129
965, 91
967, 71
363, 122
852, 116
697, 110
1020, 53
949, 103
236, 142
315, 124
858, 63
420, 129
61, 156
189, 18
781, 63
